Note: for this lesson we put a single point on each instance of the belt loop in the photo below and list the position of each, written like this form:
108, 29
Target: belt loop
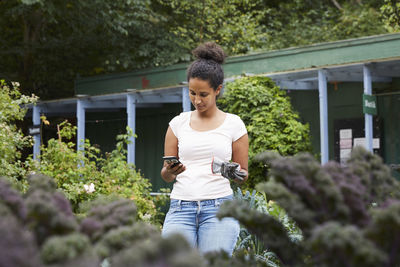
180, 204
216, 202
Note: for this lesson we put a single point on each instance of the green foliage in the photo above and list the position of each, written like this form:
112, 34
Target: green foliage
12, 140
44, 40
269, 117
83, 176
313, 22
391, 13
46, 44
233, 24
251, 244
348, 215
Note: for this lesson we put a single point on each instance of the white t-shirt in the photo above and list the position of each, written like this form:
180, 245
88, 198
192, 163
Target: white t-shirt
196, 150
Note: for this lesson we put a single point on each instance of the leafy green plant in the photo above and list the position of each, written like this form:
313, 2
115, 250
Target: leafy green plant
12, 140
271, 122
85, 175
250, 243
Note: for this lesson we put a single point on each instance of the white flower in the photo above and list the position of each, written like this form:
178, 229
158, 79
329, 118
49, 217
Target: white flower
89, 188
15, 84
146, 217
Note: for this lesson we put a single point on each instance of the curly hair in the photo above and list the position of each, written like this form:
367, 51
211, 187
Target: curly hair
207, 66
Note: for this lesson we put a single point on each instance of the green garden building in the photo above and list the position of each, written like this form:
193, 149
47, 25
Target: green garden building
348, 91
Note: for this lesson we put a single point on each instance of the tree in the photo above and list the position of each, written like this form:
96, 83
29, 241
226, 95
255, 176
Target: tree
234, 24
391, 14
47, 43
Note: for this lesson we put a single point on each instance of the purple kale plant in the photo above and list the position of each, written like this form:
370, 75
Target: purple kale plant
124, 237
17, 244
348, 215
103, 217
173, 251
12, 199
69, 250
48, 211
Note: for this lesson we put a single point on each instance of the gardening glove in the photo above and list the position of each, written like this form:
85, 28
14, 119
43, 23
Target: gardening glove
229, 170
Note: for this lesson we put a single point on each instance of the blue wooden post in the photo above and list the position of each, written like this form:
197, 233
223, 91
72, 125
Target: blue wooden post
368, 117
186, 104
80, 116
323, 115
131, 110
36, 137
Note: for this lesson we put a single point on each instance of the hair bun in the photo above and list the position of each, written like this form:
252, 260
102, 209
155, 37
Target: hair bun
210, 51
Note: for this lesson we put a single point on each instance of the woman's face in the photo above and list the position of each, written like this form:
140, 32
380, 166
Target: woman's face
202, 95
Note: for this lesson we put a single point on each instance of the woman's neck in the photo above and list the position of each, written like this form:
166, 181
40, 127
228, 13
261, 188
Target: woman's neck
210, 113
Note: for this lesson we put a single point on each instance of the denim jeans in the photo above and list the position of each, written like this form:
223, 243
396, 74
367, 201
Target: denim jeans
197, 222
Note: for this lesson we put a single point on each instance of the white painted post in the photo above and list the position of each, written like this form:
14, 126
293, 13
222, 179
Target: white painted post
36, 137
186, 104
323, 115
368, 117
131, 111
80, 116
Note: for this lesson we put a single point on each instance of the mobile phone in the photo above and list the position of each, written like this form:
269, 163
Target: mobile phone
171, 159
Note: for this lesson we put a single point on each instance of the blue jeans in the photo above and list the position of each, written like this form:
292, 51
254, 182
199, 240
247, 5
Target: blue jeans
197, 222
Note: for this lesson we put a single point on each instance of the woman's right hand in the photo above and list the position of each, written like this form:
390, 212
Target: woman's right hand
169, 172
174, 170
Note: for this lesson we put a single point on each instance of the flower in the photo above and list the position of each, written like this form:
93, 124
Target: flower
146, 217
89, 188
15, 84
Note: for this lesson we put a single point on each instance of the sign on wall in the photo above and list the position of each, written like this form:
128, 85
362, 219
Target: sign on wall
370, 104
349, 133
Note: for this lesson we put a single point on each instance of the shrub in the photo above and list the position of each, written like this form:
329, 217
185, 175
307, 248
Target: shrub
107, 233
64, 250
51, 235
84, 176
251, 245
271, 122
105, 217
48, 212
12, 140
171, 251
17, 245
348, 215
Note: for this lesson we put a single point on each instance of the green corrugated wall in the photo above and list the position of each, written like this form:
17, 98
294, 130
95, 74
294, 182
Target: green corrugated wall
343, 103
151, 125
346, 103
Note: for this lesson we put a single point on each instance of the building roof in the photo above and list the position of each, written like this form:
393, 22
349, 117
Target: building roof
290, 63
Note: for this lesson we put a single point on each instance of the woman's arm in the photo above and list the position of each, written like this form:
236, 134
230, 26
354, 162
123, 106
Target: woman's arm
240, 153
171, 149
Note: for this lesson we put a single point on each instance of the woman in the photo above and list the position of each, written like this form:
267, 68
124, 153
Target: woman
196, 138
